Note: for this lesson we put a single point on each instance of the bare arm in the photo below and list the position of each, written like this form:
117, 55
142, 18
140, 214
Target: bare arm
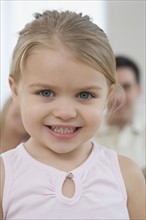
136, 188
1, 186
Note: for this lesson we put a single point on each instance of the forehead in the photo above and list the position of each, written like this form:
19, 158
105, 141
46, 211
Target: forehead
53, 65
125, 75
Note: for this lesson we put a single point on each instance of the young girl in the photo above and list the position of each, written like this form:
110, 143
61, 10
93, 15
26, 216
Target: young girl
62, 75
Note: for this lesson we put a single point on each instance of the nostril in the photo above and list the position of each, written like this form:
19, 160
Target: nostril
65, 114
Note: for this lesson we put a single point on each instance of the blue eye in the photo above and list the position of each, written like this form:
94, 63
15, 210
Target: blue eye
46, 93
85, 95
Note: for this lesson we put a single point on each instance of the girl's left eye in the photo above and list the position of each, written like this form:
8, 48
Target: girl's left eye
85, 95
46, 93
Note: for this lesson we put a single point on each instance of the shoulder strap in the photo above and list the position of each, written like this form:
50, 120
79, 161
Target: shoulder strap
117, 173
8, 171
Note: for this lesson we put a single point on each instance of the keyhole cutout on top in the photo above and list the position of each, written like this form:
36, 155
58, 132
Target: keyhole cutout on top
68, 188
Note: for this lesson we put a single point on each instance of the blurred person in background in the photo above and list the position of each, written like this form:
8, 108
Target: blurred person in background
124, 129
12, 131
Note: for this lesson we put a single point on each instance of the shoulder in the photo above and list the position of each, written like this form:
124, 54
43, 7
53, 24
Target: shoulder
5, 165
135, 186
5, 174
130, 169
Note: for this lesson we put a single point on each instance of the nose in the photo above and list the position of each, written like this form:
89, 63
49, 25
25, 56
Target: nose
65, 110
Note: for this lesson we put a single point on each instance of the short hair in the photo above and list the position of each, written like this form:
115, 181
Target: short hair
122, 61
77, 33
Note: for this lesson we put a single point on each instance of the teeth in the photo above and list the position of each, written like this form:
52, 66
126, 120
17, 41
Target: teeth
61, 130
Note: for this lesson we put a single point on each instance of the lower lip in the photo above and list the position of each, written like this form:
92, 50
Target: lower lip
64, 136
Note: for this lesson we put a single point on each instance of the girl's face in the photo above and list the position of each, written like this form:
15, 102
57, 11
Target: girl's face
61, 100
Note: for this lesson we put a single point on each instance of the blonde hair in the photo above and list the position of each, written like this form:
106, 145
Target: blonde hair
76, 32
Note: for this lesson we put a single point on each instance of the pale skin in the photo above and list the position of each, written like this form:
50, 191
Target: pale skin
72, 102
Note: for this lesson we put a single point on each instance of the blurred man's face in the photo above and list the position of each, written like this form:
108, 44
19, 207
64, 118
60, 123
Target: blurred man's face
127, 81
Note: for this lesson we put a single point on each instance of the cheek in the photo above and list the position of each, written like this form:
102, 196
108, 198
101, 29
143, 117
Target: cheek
95, 117
130, 98
31, 114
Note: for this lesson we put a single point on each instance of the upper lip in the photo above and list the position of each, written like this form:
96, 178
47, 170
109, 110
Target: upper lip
62, 126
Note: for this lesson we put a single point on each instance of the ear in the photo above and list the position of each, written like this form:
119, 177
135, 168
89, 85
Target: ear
14, 89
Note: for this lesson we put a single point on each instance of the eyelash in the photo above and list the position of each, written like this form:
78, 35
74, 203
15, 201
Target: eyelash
45, 91
51, 93
89, 94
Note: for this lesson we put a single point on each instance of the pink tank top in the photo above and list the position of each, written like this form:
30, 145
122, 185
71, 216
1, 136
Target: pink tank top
33, 190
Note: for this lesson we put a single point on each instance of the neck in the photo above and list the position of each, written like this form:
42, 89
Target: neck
65, 162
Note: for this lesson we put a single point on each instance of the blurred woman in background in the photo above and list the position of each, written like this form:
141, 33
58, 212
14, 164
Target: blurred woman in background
12, 131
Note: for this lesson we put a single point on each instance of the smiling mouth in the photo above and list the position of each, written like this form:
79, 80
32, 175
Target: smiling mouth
63, 130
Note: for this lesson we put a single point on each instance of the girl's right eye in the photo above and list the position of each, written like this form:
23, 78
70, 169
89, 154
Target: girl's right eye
46, 93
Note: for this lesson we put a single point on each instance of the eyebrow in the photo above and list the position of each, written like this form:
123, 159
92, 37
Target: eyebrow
42, 85
97, 87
